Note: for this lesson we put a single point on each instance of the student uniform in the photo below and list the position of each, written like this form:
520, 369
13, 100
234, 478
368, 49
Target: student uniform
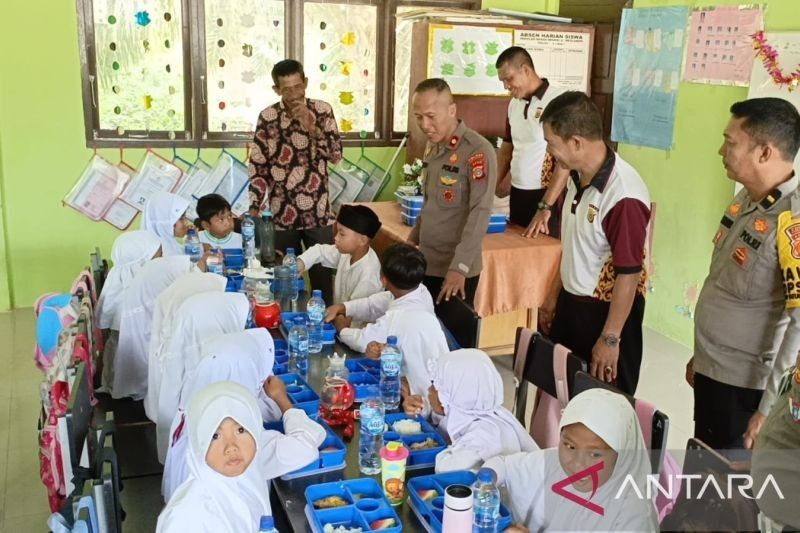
353, 280
161, 212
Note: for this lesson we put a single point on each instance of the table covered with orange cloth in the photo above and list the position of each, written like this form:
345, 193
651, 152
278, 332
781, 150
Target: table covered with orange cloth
517, 271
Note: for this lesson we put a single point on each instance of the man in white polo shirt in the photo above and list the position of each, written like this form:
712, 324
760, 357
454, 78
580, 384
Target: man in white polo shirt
596, 305
535, 182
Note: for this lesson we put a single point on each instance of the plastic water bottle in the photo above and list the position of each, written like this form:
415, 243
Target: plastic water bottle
267, 525
249, 237
486, 502
316, 318
290, 260
265, 239
214, 264
298, 347
192, 246
371, 414
391, 362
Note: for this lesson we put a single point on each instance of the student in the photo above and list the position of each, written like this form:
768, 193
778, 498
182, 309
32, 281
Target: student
466, 400
358, 268
245, 358
130, 252
231, 459
164, 216
404, 310
597, 426
165, 315
214, 216
200, 318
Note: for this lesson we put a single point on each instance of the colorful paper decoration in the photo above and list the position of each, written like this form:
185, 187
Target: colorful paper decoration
771, 61
349, 38
147, 101
112, 19
142, 18
167, 16
346, 97
247, 50
345, 125
346, 68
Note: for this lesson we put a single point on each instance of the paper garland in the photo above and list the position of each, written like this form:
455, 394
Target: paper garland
771, 61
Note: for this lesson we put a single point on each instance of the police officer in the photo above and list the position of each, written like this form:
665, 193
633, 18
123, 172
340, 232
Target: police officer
460, 172
747, 320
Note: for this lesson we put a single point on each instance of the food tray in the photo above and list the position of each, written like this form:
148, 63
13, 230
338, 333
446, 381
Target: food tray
233, 258
410, 201
411, 211
281, 364
429, 510
332, 453
364, 373
416, 458
366, 503
301, 394
328, 331
408, 220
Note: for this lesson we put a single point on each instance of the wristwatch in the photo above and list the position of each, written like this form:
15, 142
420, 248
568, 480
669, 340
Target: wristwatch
610, 340
544, 206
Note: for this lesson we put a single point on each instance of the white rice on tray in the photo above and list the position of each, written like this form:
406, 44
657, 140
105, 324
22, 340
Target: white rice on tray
407, 427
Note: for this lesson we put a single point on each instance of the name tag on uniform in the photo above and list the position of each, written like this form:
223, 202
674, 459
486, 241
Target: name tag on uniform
450, 168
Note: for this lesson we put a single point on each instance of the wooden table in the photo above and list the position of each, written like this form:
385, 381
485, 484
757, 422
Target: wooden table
517, 273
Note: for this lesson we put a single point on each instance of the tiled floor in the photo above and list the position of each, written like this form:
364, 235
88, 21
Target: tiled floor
23, 504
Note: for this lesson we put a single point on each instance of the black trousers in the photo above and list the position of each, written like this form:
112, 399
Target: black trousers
523, 205
434, 285
578, 324
321, 278
722, 411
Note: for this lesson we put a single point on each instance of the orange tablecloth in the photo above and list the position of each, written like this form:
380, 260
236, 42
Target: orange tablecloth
517, 272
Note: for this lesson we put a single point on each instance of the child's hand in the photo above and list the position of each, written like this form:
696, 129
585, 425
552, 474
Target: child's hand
374, 350
341, 322
333, 311
275, 389
413, 404
517, 528
301, 267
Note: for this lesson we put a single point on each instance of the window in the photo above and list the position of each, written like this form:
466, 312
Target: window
198, 72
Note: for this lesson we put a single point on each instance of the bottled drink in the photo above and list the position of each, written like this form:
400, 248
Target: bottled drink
391, 362
486, 502
298, 347
267, 525
265, 239
290, 260
249, 237
214, 264
371, 414
316, 317
192, 246
336, 394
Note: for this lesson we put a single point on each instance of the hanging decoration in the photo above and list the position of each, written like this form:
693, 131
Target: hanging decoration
142, 18
771, 61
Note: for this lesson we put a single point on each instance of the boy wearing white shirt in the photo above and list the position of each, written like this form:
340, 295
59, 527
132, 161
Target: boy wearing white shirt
404, 310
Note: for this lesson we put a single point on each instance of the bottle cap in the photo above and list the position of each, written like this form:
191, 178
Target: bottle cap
316, 293
391, 340
394, 451
486, 475
267, 522
289, 251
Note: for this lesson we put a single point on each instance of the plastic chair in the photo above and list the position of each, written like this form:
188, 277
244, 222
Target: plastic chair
461, 322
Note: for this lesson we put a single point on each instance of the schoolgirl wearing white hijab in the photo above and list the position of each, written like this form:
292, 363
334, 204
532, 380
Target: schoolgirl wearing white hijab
597, 425
163, 216
130, 252
231, 459
468, 391
165, 314
136, 320
200, 318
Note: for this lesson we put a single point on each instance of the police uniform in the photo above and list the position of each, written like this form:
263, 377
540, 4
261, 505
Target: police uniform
459, 180
747, 318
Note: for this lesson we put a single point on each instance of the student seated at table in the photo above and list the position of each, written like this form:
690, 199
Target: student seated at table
358, 268
129, 254
164, 216
245, 358
215, 218
466, 400
404, 310
599, 429
231, 459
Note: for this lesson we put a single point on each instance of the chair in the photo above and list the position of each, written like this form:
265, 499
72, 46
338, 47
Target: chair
99, 269
106, 489
461, 322
77, 440
85, 510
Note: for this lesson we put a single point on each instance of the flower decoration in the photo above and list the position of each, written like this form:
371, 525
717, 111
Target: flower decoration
769, 57
413, 175
142, 18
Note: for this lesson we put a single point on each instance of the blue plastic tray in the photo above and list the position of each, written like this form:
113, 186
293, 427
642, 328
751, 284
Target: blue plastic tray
408, 220
410, 201
496, 227
366, 504
328, 331
234, 282
416, 458
301, 394
233, 258
363, 374
332, 453
429, 511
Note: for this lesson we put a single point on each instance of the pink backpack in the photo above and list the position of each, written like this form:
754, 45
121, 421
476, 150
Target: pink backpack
55, 312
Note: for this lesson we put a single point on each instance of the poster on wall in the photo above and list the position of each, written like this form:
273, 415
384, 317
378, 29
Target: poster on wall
464, 56
560, 56
719, 50
647, 75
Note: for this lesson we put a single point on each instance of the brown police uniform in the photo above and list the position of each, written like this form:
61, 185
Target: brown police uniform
459, 181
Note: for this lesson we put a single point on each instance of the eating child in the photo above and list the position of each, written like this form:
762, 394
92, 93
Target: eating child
404, 310
357, 265
215, 218
466, 400
164, 217
231, 459
599, 428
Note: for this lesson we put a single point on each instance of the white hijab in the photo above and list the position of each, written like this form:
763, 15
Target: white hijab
136, 320
209, 501
471, 392
200, 318
246, 358
165, 314
131, 250
529, 477
161, 212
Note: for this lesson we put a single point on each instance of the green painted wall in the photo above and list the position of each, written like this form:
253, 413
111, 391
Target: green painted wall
689, 184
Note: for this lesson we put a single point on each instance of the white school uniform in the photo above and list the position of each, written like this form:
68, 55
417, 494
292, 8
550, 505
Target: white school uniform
528, 477
161, 212
136, 319
411, 319
353, 281
211, 502
164, 317
230, 241
471, 392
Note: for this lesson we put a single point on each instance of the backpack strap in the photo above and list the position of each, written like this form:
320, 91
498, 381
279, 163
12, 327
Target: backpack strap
644, 412
524, 345
560, 373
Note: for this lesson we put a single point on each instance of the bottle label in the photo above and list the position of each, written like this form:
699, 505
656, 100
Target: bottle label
316, 314
302, 346
390, 367
373, 424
